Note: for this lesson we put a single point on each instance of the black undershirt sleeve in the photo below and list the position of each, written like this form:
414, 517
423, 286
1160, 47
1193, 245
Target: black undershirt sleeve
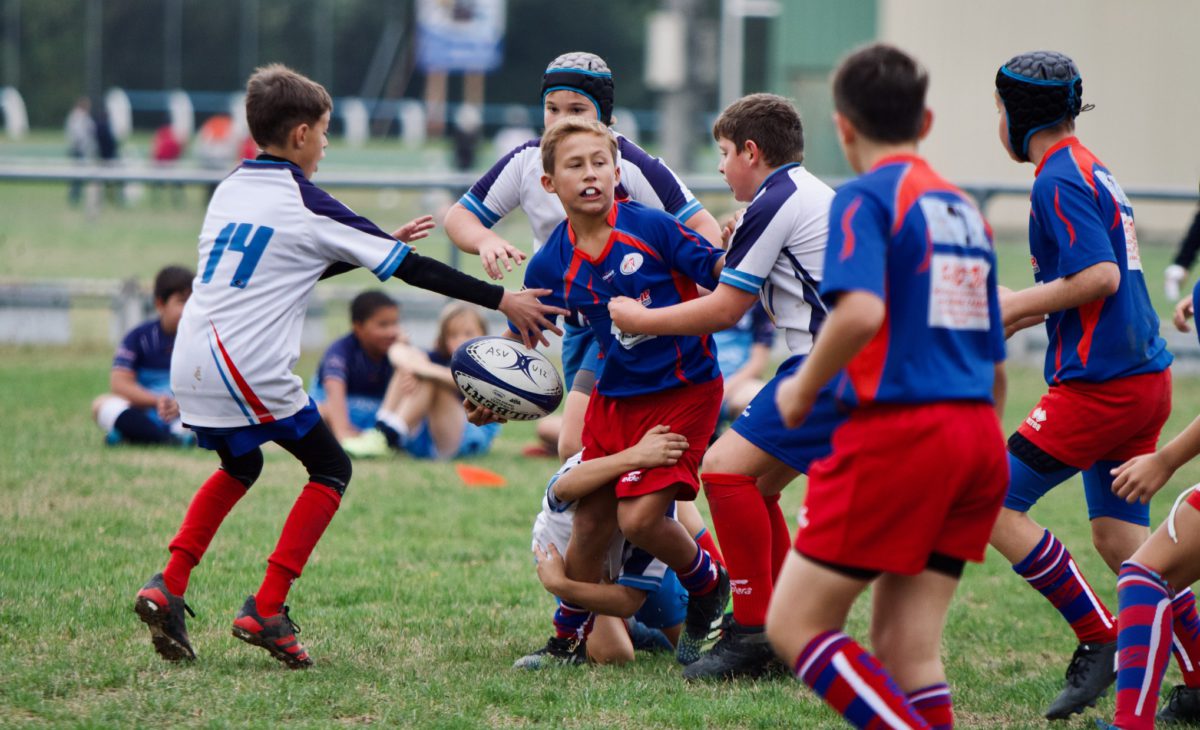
432, 275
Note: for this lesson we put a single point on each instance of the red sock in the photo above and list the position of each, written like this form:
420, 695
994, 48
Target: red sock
311, 514
741, 518
705, 540
212, 502
933, 704
781, 536
1186, 627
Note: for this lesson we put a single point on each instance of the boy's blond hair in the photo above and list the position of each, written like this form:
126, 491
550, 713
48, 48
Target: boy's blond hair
564, 128
278, 99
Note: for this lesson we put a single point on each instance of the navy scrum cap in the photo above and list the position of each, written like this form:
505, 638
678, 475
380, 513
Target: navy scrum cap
1038, 89
584, 73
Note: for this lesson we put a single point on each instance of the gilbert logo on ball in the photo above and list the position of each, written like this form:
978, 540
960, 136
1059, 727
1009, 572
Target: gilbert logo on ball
515, 382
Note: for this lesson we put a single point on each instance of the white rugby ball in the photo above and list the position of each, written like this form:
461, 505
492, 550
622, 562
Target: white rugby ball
515, 382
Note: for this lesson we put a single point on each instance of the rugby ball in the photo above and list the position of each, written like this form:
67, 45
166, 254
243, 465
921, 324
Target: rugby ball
515, 382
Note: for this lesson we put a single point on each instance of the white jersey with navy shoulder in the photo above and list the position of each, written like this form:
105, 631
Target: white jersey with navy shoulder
624, 563
267, 237
778, 252
515, 181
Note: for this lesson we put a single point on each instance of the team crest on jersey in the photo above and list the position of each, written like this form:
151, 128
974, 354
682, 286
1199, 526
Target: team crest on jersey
1035, 419
631, 263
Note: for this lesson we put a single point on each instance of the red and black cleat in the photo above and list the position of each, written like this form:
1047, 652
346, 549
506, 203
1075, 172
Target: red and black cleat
276, 634
163, 611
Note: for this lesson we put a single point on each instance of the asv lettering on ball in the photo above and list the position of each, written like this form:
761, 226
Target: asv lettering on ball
531, 367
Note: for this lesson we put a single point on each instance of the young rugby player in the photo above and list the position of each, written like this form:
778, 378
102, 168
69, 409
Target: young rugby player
574, 84
915, 323
268, 236
776, 254
1106, 365
605, 249
638, 588
1153, 590
139, 407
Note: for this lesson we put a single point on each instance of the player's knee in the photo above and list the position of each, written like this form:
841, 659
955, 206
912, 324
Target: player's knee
334, 472
636, 523
1113, 546
245, 468
97, 402
610, 653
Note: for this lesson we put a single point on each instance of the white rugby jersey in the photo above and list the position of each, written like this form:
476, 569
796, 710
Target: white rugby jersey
778, 252
268, 235
515, 181
624, 563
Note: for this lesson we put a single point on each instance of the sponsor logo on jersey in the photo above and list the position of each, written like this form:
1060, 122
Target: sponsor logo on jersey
644, 298
631, 263
1034, 264
608, 275
1035, 419
632, 477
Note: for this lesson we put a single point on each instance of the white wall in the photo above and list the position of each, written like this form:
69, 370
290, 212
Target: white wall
1140, 63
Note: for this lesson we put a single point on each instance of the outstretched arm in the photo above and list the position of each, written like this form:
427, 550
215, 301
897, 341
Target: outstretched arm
659, 447
471, 236
701, 316
1140, 478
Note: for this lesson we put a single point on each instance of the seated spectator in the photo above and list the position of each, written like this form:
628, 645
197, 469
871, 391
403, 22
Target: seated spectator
422, 413
354, 373
140, 408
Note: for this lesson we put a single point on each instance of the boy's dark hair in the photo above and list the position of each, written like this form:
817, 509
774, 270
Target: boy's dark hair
771, 121
278, 99
172, 280
365, 305
880, 89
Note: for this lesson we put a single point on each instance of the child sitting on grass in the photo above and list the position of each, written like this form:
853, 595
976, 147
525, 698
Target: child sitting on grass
139, 407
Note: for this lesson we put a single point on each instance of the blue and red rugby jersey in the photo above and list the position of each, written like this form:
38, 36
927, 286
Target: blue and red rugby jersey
904, 234
1079, 217
650, 257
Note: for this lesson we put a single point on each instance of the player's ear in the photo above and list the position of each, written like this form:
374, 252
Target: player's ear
751, 150
926, 123
616, 172
300, 134
548, 184
845, 130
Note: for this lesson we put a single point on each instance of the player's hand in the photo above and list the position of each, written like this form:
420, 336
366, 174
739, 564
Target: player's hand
480, 416
729, 223
1140, 478
793, 403
1183, 312
659, 447
415, 229
550, 569
627, 314
530, 316
167, 407
495, 253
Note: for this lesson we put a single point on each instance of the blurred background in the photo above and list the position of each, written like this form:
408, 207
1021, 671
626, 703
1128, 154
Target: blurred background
120, 115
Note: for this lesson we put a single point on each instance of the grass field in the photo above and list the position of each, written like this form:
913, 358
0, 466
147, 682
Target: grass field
421, 594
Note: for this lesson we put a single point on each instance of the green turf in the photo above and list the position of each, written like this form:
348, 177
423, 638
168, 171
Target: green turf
416, 602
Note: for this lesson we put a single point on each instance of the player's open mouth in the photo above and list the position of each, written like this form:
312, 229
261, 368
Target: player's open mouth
590, 192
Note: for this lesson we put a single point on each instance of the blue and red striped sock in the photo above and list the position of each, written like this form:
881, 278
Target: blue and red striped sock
701, 575
1143, 644
855, 684
569, 620
1050, 569
934, 705
1186, 628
